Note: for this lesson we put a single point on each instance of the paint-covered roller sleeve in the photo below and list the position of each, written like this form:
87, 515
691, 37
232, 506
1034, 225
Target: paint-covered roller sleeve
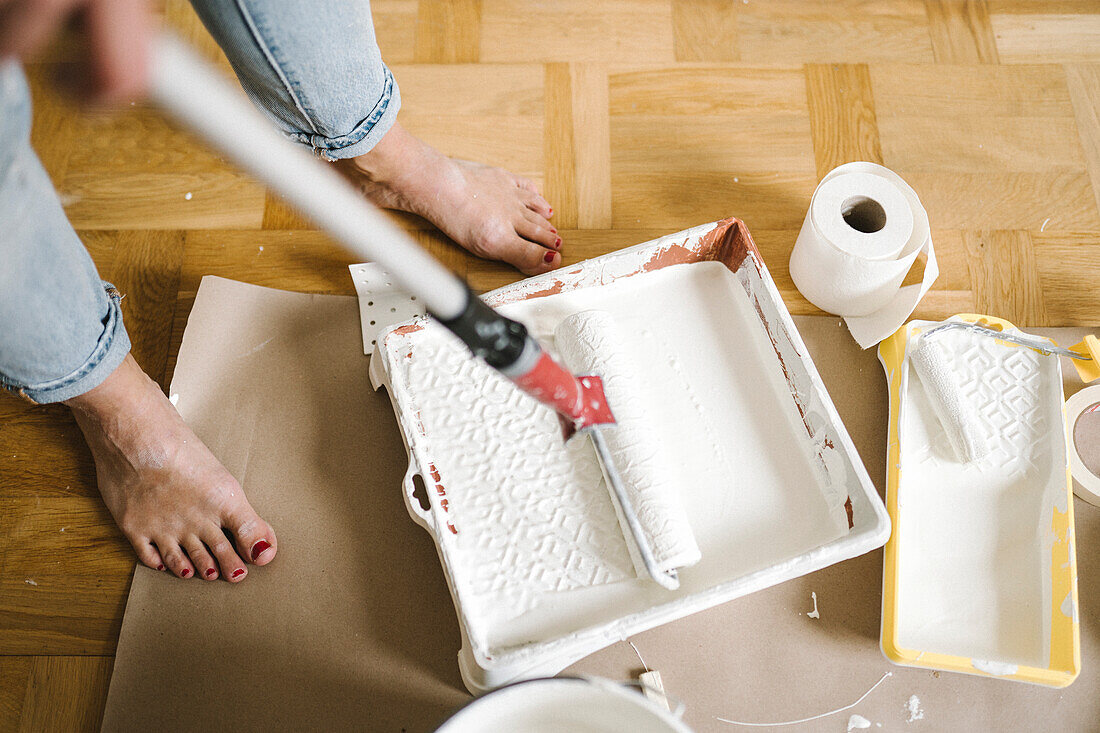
590, 345
964, 430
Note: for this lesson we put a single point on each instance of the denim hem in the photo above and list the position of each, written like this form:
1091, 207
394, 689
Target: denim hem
366, 134
109, 352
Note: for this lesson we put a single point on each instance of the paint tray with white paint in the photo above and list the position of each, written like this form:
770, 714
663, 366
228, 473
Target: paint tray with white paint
537, 565
980, 574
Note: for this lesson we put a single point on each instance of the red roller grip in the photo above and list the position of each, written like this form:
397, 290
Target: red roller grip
580, 399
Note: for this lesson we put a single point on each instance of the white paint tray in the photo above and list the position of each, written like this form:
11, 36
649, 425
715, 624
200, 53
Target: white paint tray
526, 532
980, 575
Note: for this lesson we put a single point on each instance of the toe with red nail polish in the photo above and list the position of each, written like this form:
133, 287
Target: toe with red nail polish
238, 572
185, 573
548, 258
259, 548
210, 571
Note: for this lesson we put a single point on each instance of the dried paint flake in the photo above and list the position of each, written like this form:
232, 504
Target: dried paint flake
814, 613
187, 196
914, 709
28, 581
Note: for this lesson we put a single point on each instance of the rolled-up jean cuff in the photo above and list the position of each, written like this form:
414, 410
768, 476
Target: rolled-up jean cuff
366, 134
111, 349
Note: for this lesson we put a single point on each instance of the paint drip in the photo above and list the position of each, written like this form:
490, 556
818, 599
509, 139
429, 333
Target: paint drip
814, 613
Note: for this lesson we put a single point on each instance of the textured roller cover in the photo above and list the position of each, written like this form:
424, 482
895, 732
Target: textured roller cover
590, 345
957, 416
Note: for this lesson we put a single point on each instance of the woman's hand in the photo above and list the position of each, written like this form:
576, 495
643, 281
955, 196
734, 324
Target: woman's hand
116, 35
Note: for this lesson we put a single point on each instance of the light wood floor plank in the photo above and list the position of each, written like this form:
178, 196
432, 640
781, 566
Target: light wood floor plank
1005, 275
705, 30
961, 32
448, 32
842, 115
1084, 87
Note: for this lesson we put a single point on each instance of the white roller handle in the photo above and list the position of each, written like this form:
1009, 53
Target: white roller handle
199, 97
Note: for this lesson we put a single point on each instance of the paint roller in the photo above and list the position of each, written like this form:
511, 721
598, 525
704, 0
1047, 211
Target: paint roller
590, 342
198, 97
961, 424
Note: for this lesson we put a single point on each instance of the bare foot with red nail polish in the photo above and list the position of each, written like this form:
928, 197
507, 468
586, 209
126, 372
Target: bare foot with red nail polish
169, 494
489, 211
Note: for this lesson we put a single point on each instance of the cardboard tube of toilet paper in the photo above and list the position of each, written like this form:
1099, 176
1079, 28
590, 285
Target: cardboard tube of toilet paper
590, 344
864, 230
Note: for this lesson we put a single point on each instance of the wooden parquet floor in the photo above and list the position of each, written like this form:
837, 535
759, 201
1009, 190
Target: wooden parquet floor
637, 118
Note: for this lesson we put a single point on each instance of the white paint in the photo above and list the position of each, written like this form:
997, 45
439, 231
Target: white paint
1069, 607
857, 722
814, 717
766, 506
591, 343
957, 415
814, 613
914, 710
722, 410
1000, 669
28, 581
261, 248
974, 540
187, 196
1046, 221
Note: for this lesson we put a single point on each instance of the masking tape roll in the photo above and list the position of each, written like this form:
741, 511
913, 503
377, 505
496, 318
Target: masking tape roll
1086, 483
864, 230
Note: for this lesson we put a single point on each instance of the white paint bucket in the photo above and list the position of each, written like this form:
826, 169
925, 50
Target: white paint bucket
574, 704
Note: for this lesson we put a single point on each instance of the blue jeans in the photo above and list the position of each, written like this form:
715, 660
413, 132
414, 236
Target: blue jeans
314, 68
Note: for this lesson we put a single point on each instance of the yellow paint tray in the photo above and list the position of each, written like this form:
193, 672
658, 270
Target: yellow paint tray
980, 573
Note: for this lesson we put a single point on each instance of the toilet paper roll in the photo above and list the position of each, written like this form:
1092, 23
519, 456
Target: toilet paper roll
1086, 483
862, 234
590, 344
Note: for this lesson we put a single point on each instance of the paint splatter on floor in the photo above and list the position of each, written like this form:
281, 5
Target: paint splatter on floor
28, 581
814, 613
858, 722
914, 709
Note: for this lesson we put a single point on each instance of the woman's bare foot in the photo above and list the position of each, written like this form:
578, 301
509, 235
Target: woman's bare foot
169, 494
489, 211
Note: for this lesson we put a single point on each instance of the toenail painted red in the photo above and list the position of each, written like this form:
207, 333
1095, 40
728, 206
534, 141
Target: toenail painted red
238, 572
551, 211
160, 567
259, 548
548, 258
185, 573
210, 571
552, 229
557, 242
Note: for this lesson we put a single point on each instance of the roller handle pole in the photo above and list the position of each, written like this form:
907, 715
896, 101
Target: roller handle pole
199, 97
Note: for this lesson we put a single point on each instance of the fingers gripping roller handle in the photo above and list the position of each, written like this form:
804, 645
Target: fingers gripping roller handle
506, 346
